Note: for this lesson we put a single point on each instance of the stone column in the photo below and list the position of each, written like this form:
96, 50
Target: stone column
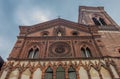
100, 75
77, 74
54, 73
31, 76
88, 72
43, 74
8, 74
66, 73
20, 74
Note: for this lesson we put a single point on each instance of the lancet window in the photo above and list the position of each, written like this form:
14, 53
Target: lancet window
96, 21
86, 52
33, 53
99, 21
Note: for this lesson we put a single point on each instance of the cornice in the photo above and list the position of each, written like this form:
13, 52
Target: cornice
52, 23
59, 38
64, 59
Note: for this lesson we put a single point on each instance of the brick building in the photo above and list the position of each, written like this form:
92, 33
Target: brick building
61, 49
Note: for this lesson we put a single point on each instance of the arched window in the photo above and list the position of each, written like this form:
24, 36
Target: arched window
60, 73
86, 52
30, 54
96, 21
33, 53
71, 73
49, 73
102, 21
36, 53
83, 52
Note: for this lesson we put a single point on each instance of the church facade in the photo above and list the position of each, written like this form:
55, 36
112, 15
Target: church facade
62, 49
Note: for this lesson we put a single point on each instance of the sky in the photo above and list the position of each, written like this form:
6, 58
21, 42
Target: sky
14, 13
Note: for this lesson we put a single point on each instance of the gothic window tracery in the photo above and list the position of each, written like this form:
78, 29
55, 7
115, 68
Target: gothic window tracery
33, 53
102, 21
96, 21
59, 49
86, 52
99, 21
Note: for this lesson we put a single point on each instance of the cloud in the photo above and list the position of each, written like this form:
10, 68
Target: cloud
31, 16
5, 47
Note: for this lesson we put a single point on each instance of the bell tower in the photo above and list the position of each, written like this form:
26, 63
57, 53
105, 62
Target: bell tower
95, 16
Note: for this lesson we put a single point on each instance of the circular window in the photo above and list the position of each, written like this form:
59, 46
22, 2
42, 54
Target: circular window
60, 49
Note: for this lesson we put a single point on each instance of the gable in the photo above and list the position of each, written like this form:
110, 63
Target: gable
49, 26
52, 31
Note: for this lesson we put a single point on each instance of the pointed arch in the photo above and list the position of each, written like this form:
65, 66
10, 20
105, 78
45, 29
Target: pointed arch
30, 54
49, 73
60, 73
4, 73
37, 74
102, 21
94, 74
72, 73
96, 22
105, 73
86, 52
14, 74
33, 53
26, 74
36, 53
115, 73
83, 52
83, 73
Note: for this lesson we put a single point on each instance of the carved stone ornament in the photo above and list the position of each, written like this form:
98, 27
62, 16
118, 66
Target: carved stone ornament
60, 49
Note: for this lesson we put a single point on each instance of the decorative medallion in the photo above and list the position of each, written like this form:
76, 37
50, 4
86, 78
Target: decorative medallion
60, 49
